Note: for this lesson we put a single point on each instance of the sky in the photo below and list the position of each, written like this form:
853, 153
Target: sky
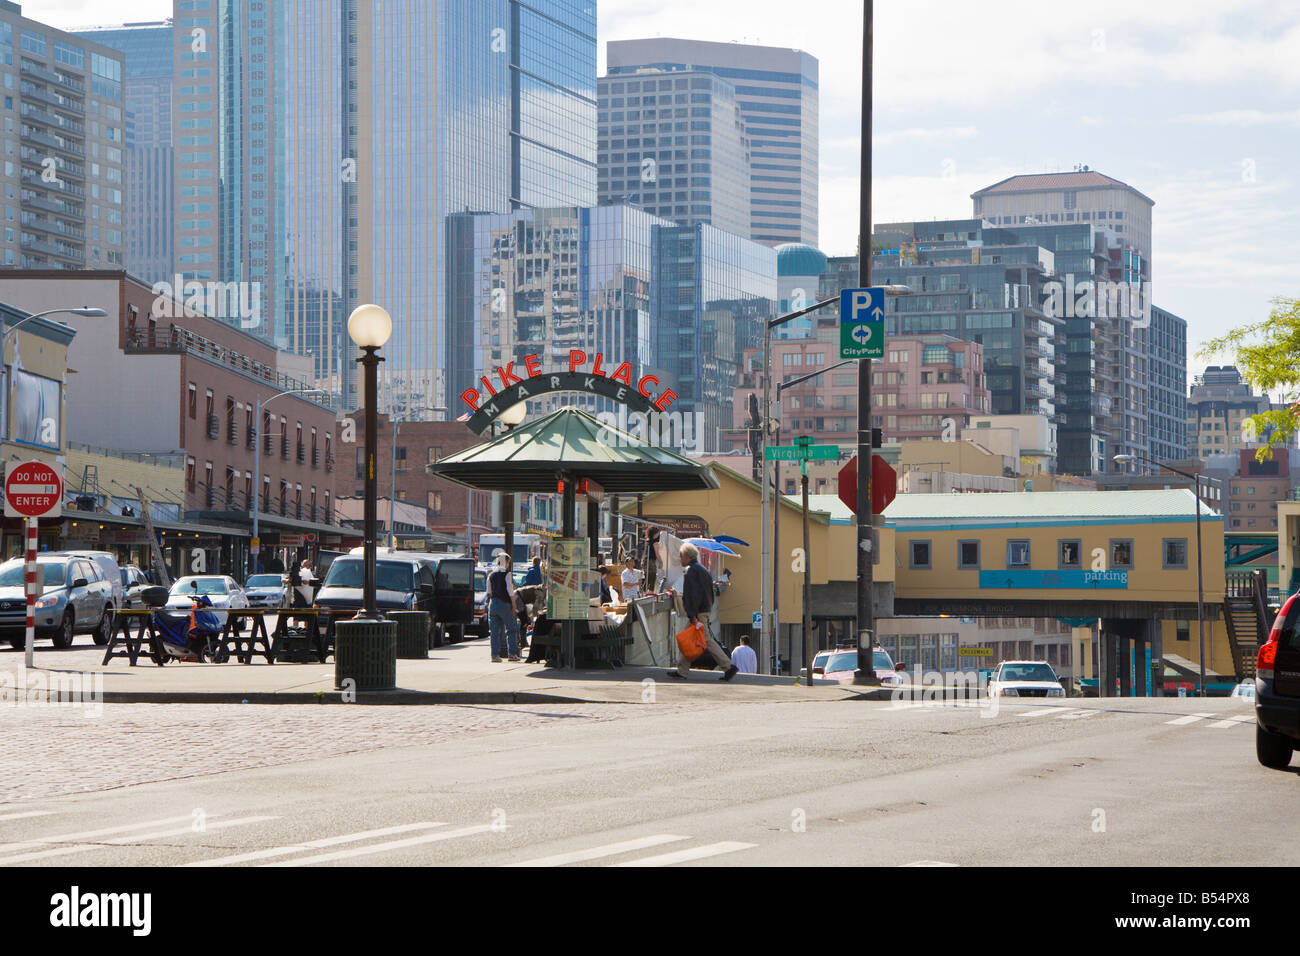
1192, 102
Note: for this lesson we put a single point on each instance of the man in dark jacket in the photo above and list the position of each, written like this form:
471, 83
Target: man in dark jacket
697, 599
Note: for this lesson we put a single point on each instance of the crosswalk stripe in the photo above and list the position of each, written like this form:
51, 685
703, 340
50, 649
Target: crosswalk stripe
685, 856
123, 841
89, 834
1233, 721
382, 847
23, 816
1189, 719
313, 845
1077, 716
1043, 711
596, 853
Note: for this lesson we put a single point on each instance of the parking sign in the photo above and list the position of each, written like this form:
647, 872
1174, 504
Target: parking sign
862, 323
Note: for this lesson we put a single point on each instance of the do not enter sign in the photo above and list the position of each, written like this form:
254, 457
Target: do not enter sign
33, 490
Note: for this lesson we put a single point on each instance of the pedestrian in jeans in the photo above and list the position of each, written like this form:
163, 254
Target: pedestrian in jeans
501, 611
697, 599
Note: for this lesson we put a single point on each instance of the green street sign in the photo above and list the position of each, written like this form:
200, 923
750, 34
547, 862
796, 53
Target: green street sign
804, 440
801, 453
865, 339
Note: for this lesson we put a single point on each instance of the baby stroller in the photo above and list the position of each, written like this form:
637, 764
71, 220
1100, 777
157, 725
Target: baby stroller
185, 635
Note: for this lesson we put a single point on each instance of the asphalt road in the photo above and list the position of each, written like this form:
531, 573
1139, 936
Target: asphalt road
1082, 782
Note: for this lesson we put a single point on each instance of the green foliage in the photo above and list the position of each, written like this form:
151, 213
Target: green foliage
1268, 356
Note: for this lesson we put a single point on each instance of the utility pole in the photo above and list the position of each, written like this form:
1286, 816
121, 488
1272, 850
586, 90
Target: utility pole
866, 619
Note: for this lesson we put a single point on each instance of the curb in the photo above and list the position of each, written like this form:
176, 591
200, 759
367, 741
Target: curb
387, 697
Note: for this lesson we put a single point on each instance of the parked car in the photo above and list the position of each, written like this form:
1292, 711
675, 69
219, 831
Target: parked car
454, 593
1277, 689
107, 564
264, 590
403, 582
1025, 679
480, 625
841, 664
75, 599
134, 581
221, 589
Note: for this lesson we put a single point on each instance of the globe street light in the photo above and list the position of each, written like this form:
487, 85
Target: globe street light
370, 327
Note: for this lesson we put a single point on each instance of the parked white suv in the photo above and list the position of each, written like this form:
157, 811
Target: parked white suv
1025, 679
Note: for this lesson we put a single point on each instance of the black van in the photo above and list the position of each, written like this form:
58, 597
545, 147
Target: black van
453, 594
403, 582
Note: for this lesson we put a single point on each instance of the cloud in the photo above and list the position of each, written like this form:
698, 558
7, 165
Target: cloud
1241, 118
919, 134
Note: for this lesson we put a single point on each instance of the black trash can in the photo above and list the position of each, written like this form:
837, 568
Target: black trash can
412, 634
365, 652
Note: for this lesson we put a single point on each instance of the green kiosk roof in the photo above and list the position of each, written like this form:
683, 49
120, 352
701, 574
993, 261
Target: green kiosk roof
532, 457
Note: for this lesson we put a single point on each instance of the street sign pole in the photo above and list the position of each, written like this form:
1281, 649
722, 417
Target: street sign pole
866, 584
30, 587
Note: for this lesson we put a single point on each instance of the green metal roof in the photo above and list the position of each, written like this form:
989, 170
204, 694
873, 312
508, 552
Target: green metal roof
530, 458
1095, 507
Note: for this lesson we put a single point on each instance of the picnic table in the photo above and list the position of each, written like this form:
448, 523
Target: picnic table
131, 630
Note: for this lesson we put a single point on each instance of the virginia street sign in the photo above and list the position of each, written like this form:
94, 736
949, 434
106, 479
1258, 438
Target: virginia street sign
801, 452
862, 323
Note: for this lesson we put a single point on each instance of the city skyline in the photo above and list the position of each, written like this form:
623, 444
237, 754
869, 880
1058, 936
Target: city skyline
1219, 108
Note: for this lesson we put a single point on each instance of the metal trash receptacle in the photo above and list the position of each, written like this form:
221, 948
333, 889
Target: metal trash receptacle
412, 634
365, 652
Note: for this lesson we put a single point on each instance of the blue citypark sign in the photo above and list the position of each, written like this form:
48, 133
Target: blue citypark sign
1065, 580
862, 323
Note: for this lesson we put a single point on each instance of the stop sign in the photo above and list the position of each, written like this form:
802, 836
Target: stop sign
33, 490
884, 484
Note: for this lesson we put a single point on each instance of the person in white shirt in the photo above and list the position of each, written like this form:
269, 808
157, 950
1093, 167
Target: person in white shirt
744, 658
305, 578
631, 577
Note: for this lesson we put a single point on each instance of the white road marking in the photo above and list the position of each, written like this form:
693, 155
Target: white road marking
138, 838
382, 847
929, 863
609, 849
1189, 719
313, 845
29, 813
1043, 711
1234, 721
1079, 715
89, 834
685, 856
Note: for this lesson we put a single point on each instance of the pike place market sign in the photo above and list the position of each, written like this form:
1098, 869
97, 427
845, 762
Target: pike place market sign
530, 381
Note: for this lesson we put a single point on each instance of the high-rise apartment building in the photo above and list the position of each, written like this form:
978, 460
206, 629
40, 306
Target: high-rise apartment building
673, 145
777, 96
64, 163
1219, 407
148, 64
1166, 349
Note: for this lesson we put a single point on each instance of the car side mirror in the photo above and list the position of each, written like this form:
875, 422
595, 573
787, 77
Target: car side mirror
80, 583
901, 666
819, 670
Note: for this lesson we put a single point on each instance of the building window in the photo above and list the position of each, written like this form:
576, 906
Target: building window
1183, 631
1069, 555
968, 555
1018, 553
919, 552
194, 401
1121, 553
435, 502
1175, 553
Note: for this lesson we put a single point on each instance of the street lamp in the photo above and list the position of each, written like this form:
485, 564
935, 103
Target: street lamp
1200, 588
256, 548
84, 311
370, 326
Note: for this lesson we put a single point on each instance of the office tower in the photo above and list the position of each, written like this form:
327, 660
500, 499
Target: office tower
675, 146
64, 165
1114, 341
1218, 408
799, 268
147, 63
1166, 349
776, 92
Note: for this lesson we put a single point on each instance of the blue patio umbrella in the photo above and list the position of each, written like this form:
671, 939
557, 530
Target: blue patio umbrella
728, 539
711, 544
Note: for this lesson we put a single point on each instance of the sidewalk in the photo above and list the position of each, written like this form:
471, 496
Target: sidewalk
457, 674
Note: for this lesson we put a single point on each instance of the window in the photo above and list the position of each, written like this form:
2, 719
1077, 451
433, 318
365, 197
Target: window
919, 552
1183, 631
1069, 555
1121, 553
968, 555
1175, 553
435, 502
194, 400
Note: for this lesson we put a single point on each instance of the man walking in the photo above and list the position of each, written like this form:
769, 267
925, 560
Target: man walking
697, 599
744, 658
501, 611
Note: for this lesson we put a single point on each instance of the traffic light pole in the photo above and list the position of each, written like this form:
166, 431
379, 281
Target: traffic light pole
866, 672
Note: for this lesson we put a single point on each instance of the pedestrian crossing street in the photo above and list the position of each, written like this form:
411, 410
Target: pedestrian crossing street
1216, 721
646, 851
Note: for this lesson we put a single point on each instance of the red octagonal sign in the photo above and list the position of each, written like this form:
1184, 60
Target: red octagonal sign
33, 490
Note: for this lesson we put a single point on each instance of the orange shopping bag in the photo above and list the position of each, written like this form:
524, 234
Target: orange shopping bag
691, 641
